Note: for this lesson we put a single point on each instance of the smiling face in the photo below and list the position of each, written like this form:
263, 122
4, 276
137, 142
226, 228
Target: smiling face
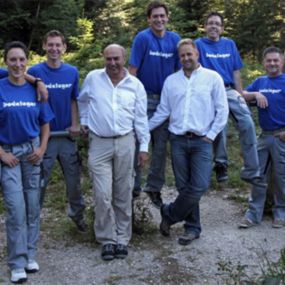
273, 63
158, 20
188, 57
16, 61
114, 60
54, 48
214, 28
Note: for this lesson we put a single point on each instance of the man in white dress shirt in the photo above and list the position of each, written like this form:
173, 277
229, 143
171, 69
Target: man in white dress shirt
112, 104
194, 100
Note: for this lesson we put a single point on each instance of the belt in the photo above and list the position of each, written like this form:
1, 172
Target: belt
190, 135
153, 96
229, 86
113, 137
275, 132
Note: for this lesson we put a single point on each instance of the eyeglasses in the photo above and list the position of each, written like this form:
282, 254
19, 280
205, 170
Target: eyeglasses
213, 23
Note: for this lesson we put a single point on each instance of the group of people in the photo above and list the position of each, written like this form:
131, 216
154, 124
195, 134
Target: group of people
174, 89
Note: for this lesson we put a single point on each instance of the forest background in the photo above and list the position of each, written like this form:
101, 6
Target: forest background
89, 25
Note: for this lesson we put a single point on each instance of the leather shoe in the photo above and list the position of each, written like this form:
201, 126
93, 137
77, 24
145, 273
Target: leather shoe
155, 198
187, 238
164, 226
108, 251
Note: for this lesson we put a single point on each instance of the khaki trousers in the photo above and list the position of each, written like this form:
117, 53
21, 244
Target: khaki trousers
111, 162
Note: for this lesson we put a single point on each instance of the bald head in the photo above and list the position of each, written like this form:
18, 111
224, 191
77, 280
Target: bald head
115, 47
115, 58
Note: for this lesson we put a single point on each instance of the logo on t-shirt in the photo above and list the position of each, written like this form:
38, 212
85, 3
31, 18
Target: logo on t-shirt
272, 91
18, 104
161, 54
58, 85
218, 55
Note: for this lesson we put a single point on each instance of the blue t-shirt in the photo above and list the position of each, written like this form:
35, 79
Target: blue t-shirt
273, 88
221, 56
21, 115
3, 73
155, 58
62, 85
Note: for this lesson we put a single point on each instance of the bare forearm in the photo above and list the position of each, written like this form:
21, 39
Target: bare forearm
237, 81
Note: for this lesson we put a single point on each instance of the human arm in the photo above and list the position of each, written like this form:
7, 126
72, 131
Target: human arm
41, 87
221, 108
260, 99
163, 110
74, 129
82, 102
140, 119
38, 153
132, 70
237, 81
8, 158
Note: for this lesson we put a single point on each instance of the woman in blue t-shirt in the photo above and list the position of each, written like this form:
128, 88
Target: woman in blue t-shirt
24, 132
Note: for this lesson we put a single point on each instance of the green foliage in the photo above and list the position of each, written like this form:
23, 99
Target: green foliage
253, 24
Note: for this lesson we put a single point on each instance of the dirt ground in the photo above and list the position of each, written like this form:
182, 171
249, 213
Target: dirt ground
224, 254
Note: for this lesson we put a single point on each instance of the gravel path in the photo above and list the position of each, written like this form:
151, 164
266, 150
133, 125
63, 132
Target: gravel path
222, 253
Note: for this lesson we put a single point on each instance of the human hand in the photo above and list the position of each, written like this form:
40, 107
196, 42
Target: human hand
261, 100
142, 159
10, 159
42, 91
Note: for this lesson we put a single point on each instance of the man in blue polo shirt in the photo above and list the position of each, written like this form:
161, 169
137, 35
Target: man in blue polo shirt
221, 54
153, 57
62, 80
269, 93
3, 73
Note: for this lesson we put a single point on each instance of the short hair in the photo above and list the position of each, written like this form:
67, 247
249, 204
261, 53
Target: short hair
15, 44
272, 49
54, 33
155, 5
184, 42
211, 14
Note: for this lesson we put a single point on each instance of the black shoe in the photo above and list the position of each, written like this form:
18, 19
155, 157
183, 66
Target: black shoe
81, 225
136, 192
121, 251
187, 238
221, 173
164, 226
155, 198
108, 251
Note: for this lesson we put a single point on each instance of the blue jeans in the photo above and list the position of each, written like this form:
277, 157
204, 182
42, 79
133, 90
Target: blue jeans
241, 116
159, 137
271, 151
65, 150
21, 190
192, 166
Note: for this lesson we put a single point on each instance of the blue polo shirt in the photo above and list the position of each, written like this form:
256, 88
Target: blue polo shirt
21, 115
273, 88
62, 84
3, 73
221, 56
155, 58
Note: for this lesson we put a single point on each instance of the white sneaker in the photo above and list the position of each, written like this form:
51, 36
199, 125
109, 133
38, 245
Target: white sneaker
32, 266
18, 275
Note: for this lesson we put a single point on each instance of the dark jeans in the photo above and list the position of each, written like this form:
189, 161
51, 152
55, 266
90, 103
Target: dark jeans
192, 166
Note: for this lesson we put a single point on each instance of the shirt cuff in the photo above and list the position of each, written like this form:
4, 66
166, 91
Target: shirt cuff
84, 121
211, 135
144, 147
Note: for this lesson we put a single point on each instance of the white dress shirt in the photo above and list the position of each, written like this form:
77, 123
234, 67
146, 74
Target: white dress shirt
197, 104
110, 110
